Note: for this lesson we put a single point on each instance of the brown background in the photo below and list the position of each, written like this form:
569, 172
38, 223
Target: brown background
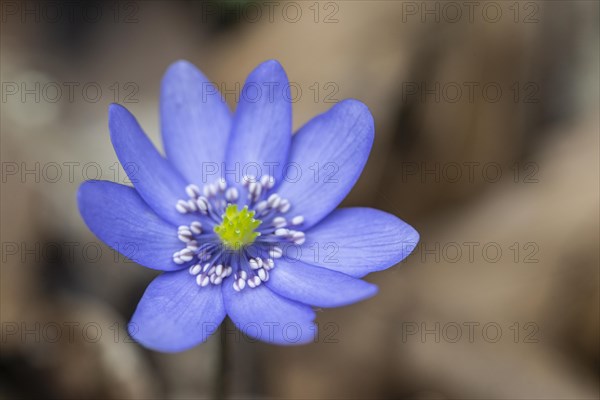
63, 312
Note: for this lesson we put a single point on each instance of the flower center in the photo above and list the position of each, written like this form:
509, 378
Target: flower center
226, 242
237, 228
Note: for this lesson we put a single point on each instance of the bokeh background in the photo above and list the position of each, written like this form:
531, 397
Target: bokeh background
487, 141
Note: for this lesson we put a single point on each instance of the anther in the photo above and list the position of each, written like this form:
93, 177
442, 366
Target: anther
267, 181
191, 205
182, 206
196, 227
273, 200
193, 245
297, 220
261, 206
262, 274
231, 194
184, 235
282, 232
253, 263
192, 191
195, 269
299, 237
222, 184
269, 264
279, 222
186, 255
203, 205
276, 252
284, 205
177, 259
202, 280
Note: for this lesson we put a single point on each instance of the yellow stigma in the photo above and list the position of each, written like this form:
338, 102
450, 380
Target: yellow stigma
237, 228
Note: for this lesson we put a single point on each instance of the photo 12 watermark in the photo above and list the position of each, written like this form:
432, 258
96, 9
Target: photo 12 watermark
471, 92
70, 12
468, 332
290, 12
468, 172
471, 12
91, 332
476, 252
69, 92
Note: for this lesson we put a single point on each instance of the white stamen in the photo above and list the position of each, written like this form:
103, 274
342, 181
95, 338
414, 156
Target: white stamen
262, 274
210, 190
196, 227
184, 236
195, 269
279, 222
299, 237
222, 184
191, 205
297, 220
267, 181
253, 263
231, 194
252, 187
186, 255
261, 206
181, 206
203, 205
192, 190
276, 252
273, 200
211, 270
241, 283
269, 263
284, 205
202, 280
282, 232
247, 179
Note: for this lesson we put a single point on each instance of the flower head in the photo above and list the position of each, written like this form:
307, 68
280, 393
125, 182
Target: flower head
240, 215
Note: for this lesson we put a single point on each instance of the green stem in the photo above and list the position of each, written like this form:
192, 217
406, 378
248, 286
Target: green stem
222, 385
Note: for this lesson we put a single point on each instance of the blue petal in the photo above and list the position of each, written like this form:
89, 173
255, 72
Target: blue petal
327, 156
358, 241
317, 286
176, 314
264, 315
262, 126
155, 179
195, 123
119, 217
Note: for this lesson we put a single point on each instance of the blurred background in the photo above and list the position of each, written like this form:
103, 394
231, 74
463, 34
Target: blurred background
487, 141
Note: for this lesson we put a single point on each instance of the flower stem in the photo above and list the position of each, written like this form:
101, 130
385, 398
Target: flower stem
222, 384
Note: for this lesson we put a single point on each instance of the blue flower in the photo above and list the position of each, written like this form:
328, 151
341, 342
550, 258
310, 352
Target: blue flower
240, 215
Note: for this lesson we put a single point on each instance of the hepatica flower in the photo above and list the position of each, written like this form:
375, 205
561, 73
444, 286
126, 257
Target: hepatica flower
240, 215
